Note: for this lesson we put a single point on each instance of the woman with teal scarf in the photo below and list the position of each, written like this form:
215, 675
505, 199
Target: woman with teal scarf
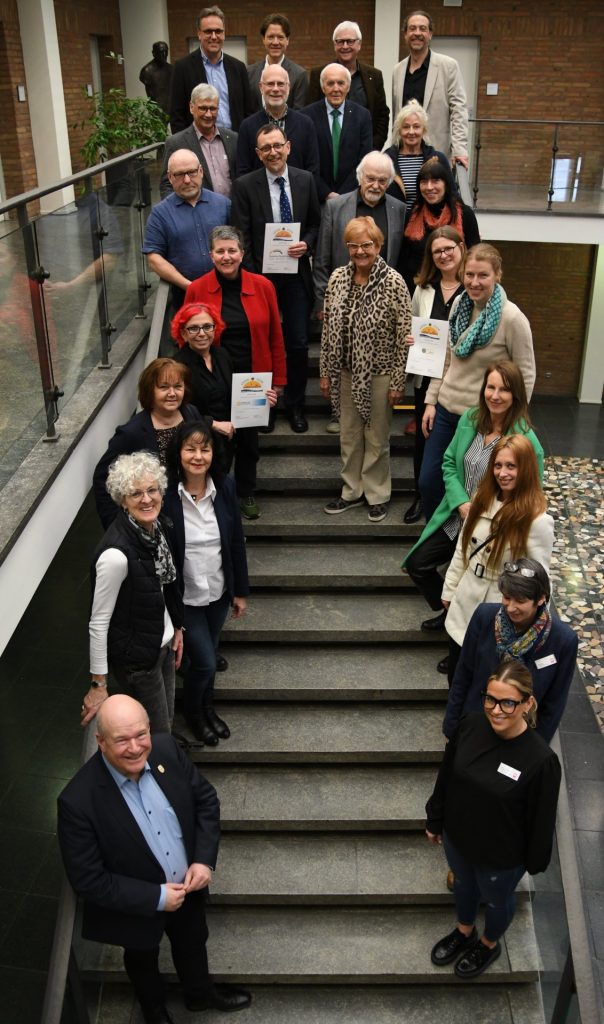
485, 328
502, 409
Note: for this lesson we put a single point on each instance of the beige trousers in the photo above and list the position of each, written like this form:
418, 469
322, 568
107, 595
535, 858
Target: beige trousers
365, 448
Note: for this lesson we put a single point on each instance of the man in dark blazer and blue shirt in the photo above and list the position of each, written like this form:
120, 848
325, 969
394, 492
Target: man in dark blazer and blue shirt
257, 201
138, 828
335, 114
209, 64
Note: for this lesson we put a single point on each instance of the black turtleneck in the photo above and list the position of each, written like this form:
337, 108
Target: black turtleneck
236, 338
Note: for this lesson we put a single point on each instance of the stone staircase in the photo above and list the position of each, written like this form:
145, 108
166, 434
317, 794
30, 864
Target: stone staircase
327, 898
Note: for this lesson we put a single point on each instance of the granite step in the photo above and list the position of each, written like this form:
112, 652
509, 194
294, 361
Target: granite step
330, 870
322, 673
317, 438
334, 946
357, 1004
335, 566
290, 516
303, 473
325, 733
326, 618
310, 798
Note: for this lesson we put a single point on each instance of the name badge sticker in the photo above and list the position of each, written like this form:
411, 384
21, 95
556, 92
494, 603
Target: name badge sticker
512, 773
550, 659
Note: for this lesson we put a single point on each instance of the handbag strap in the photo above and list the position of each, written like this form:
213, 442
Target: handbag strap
481, 546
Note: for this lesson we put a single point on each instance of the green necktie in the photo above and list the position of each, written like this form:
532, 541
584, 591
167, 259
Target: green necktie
336, 131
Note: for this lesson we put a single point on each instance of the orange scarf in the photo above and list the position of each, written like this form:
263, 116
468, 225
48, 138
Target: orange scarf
423, 221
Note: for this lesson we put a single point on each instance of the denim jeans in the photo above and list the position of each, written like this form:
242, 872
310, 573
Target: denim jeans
496, 886
153, 687
431, 484
202, 634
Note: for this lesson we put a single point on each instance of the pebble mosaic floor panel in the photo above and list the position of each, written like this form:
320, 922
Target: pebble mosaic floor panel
575, 492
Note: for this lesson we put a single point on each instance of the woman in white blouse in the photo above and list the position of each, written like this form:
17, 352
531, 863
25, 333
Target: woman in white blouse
209, 551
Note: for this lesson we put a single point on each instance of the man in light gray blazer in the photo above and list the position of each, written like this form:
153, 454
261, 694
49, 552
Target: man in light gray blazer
374, 174
214, 147
435, 81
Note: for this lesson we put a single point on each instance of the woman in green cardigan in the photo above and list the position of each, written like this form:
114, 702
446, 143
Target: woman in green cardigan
502, 409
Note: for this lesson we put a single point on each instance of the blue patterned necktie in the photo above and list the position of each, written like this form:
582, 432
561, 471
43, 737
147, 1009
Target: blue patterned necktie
284, 206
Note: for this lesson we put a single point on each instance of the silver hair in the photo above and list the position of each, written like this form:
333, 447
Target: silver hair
340, 67
412, 107
203, 91
350, 26
128, 470
376, 155
226, 233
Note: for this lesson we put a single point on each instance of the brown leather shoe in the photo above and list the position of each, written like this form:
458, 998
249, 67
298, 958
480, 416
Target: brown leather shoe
450, 881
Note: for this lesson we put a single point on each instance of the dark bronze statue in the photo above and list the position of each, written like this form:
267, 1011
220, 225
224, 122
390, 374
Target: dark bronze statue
156, 76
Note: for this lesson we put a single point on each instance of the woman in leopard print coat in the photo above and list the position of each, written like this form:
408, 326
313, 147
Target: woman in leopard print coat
362, 367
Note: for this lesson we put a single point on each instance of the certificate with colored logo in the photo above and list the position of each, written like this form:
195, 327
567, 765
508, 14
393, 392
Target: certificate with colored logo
277, 240
430, 339
249, 404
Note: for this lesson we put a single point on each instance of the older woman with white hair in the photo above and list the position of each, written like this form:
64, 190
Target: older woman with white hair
409, 150
137, 612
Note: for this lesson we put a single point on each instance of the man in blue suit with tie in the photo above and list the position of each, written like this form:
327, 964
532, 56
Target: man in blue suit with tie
344, 133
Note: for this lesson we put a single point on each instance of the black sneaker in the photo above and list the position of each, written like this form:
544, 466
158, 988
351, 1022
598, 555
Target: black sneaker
377, 513
447, 949
341, 505
476, 960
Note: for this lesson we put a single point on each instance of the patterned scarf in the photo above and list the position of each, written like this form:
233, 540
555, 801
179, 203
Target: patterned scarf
511, 644
426, 219
162, 556
483, 328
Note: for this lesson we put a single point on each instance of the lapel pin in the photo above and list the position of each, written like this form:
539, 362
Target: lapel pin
161, 768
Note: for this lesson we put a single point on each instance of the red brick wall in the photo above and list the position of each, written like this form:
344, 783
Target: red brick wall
77, 20
312, 27
16, 145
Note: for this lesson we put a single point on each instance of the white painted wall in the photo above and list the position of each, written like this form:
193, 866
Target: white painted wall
144, 22
591, 385
386, 42
27, 562
44, 83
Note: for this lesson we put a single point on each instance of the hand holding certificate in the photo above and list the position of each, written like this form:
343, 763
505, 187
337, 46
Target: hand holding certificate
277, 240
430, 339
249, 401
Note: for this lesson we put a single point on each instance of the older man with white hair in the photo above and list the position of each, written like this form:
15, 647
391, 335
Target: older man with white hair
374, 174
367, 82
274, 89
344, 133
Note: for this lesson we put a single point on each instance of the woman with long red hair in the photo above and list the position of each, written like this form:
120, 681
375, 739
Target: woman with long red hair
507, 520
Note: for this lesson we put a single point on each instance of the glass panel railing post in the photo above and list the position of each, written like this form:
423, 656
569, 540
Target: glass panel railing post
555, 147
477, 147
97, 233
37, 275
143, 201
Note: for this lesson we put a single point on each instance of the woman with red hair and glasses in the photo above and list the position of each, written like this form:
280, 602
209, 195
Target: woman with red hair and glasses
197, 328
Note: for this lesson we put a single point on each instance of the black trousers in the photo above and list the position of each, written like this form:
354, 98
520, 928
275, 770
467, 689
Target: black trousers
187, 931
420, 440
243, 449
422, 566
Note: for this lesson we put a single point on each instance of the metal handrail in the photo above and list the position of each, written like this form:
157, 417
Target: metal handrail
37, 193
528, 120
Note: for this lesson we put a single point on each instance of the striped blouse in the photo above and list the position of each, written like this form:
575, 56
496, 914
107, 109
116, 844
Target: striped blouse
475, 464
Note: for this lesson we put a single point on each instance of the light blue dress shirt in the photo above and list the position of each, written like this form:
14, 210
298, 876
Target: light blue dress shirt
216, 76
157, 821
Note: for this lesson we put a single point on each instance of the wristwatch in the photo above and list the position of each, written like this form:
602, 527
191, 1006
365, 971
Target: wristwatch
94, 683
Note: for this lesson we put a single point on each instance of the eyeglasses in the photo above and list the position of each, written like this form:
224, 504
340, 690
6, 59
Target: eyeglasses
151, 492
212, 31
507, 705
345, 42
513, 567
447, 251
277, 146
213, 109
196, 328
355, 246
371, 179
179, 175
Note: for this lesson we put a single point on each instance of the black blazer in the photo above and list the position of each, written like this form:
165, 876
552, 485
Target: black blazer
373, 84
107, 860
202, 387
232, 540
190, 71
356, 141
187, 139
252, 210
137, 435
304, 152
